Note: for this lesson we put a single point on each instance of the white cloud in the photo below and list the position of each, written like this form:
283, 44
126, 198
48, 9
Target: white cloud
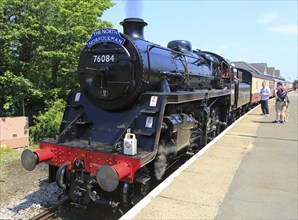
285, 29
267, 17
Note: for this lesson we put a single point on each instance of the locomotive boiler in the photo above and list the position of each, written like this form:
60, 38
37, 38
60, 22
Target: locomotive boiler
140, 108
115, 70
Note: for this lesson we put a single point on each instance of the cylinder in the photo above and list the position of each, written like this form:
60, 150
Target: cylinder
44, 154
31, 158
108, 176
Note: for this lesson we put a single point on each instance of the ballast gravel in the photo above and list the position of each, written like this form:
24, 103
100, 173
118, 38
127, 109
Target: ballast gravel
31, 204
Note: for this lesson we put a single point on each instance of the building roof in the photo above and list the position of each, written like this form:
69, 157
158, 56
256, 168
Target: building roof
246, 66
277, 73
271, 71
261, 67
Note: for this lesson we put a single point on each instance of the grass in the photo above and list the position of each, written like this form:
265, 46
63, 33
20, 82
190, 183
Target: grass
11, 157
5, 150
8, 155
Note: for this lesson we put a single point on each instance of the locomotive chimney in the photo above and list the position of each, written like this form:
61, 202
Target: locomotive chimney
134, 27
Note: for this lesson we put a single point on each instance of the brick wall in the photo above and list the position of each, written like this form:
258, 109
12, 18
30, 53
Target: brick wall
14, 132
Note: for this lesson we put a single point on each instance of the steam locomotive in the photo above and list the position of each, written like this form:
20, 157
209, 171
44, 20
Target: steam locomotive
140, 108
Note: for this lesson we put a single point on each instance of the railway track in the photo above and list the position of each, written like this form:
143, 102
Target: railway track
65, 210
51, 212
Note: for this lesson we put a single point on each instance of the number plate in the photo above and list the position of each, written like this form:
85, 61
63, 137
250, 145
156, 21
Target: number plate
105, 58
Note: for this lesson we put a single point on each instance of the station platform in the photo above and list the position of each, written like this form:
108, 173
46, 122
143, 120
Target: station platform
248, 172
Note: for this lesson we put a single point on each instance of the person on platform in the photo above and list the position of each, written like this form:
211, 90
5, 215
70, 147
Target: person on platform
265, 94
281, 101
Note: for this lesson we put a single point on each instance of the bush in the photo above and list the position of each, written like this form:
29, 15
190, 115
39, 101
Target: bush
47, 124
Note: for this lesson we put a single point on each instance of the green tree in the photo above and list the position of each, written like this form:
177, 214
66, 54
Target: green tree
47, 124
40, 44
14, 91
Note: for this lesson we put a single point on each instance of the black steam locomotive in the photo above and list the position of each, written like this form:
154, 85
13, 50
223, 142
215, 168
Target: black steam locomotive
140, 108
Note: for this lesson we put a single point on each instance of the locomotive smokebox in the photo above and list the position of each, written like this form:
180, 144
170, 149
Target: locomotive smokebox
134, 27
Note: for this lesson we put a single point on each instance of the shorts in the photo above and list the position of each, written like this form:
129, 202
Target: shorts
280, 106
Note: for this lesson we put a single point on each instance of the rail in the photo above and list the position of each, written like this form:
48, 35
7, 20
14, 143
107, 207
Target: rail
50, 212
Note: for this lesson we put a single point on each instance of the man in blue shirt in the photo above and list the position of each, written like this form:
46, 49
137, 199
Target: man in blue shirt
265, 94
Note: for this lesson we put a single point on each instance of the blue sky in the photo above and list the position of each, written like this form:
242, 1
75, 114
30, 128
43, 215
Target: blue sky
250, 31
